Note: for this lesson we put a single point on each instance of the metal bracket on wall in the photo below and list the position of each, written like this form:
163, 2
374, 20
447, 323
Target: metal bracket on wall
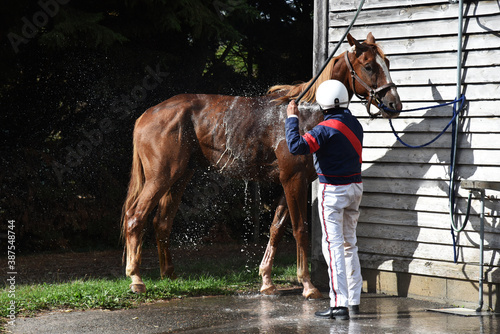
480, 186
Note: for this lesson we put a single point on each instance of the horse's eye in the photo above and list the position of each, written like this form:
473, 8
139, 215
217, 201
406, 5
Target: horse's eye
368, 67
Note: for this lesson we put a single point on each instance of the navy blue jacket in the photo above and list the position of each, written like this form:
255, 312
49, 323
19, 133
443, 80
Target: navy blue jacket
336, 143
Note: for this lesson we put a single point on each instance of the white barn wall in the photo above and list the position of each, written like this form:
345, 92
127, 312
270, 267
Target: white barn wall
405, 225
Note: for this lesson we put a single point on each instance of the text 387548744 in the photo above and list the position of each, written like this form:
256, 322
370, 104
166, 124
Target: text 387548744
11, 273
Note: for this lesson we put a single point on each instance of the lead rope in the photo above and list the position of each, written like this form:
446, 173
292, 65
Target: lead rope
454, 142
456, 112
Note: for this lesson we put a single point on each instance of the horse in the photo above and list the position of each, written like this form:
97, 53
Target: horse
241, 137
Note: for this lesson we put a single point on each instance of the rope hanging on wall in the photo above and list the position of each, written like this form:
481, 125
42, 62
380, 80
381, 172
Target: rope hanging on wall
460, 101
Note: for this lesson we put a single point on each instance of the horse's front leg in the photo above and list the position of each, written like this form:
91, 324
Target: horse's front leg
278, 226
296, 197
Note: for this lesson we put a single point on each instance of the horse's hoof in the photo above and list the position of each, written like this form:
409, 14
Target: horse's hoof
138, 288
313, 294
269, 291
171, 276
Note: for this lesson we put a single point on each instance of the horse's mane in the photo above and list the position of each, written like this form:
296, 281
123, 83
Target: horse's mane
291, 92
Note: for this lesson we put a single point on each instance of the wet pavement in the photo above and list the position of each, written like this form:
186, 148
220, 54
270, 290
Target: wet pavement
288, 313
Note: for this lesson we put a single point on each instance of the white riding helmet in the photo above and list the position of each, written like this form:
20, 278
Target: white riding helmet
332, 94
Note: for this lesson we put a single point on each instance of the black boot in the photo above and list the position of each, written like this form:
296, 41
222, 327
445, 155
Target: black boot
354, 309
341, 313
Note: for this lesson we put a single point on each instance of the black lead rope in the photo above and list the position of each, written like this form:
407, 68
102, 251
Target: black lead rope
331, 55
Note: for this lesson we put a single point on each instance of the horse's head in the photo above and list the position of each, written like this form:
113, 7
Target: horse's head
370, 78
364, 70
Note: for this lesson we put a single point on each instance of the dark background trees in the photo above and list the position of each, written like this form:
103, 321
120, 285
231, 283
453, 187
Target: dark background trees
74, 76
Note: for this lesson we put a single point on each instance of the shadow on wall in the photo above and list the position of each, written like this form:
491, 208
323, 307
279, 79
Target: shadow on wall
404, 225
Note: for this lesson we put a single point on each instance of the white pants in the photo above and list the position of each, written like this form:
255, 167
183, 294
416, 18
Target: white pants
339, 212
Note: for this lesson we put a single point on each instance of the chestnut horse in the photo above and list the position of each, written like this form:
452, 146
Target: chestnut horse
241, 137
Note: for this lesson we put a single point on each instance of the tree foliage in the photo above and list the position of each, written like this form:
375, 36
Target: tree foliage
73, 77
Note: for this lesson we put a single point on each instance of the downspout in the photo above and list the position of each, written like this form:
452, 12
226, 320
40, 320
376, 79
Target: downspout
456, 124
454, 227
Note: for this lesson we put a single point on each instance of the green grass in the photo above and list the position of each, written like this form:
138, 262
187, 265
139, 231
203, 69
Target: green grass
200, 277
115, 293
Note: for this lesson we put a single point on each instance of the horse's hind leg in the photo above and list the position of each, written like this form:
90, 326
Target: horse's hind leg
296, 198
164, 220
136, 217
281, 217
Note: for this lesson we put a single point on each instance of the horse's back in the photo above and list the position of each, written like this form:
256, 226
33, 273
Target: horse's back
235, 134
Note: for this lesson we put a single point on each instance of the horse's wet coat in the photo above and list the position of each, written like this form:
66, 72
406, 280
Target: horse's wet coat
241, 137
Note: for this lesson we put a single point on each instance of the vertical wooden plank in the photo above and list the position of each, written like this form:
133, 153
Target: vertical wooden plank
319, 273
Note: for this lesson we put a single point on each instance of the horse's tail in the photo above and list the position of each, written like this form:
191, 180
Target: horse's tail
134, 189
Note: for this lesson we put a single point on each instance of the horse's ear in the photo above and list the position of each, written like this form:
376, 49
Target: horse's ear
352, 41
370, 39
355, 45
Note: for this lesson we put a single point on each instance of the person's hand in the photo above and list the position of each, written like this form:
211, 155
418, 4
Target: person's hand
292, 109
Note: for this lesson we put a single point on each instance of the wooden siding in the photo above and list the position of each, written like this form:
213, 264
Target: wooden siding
405, 223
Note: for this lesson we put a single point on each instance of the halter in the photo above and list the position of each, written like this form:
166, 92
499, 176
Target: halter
373, 93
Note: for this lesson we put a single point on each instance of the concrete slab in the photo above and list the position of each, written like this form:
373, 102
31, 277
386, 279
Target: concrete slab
288, 313
464, 312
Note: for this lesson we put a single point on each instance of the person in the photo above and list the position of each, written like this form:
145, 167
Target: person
336, 145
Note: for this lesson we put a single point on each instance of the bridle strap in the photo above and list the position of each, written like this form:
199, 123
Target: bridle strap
373, 93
